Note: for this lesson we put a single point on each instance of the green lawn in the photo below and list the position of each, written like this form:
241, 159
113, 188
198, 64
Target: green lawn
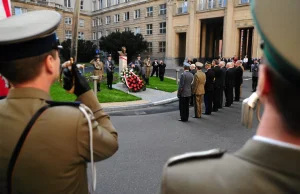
59, 94
168, 85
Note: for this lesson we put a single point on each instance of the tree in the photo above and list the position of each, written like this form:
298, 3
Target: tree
86, 50
113, 43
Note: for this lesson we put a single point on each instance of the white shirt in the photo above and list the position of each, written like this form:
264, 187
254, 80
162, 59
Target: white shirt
275, 142
245, 60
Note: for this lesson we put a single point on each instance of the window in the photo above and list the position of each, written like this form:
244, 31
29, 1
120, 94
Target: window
99, 35
94, 23
67, 3
81, 22
107, 20
162, 9
117, 2
19, 10
117, 30
108, 3
137, 30
149, 11
68, 34
137, 13
126, 29
99, 21
149, 29
149, 50
94, 6
80, 35
126, 1
162, 47
162, 27
68, 20
117, 18
106, 32
100, 4
126, 16
94, 36
81, 4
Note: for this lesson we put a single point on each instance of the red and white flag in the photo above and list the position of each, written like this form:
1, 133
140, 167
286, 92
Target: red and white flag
5, 9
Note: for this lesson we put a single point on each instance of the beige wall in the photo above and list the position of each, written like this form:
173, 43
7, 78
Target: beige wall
62, 27
141, 22
235, 16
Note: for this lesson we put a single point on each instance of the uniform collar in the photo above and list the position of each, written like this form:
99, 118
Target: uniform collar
15, 93
275, 157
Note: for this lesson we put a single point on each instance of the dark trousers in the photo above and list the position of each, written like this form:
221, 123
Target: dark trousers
109, 79
161, 76
208, 99
154, 70
216, 99
221, 96
237, 90
184, 108
191, 100
229, 96
254, 83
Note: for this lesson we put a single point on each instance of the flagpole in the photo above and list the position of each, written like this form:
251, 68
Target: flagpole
74, 43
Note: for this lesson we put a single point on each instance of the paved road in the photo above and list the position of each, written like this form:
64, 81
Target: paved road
148, 137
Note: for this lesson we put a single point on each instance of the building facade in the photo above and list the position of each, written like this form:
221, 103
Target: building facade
207, 29
138, 16
174, 29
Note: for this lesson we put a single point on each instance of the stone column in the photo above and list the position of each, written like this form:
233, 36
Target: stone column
191, 39
229, 30
122, 63
170, 36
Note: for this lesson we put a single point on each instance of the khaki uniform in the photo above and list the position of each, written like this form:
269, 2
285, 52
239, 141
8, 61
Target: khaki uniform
198, 91
254, 169
98, 69
147, 65
54, 155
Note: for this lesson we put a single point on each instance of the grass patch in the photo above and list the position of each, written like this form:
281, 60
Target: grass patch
168, 85
57, 93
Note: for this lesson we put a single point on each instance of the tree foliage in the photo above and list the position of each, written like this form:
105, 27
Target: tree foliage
113, 43
86, 50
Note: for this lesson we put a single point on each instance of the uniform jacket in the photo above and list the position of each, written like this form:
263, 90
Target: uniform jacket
147, 65
218, 76
209, 84
155, 65
110, 66
98, 68
256, 168
185, 85
54, 156
223, 69
198, 83
141, 68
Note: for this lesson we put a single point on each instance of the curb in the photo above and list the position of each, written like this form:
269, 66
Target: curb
138, 106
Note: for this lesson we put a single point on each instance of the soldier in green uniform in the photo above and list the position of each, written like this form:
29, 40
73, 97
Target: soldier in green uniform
61, 140
270, 161
98, 69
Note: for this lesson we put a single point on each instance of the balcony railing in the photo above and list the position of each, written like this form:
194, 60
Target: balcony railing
211, 4
182, 7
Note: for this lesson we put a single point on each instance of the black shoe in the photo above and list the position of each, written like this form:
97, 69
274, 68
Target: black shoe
236, 100
215, 110
195, 117
182, 120
206, 113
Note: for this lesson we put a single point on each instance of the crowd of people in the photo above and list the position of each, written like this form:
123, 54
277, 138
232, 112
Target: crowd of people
221, 78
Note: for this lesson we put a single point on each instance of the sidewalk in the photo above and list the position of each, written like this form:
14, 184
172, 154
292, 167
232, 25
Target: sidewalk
150, 97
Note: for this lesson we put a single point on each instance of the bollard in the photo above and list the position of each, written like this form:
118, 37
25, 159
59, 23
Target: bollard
177, 76
95, 79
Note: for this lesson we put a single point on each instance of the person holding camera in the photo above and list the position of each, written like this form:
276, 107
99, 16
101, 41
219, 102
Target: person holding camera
98, 69
254, 70
45, 145
110, 66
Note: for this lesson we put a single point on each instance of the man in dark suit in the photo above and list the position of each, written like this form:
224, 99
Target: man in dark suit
155, 68
209, 89
238, 79
223, 69
269, 161
161, 70
229, 83
185, 92
110, 66
217, 85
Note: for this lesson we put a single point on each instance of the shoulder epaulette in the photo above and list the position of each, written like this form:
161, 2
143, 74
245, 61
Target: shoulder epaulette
55, 103
214, 153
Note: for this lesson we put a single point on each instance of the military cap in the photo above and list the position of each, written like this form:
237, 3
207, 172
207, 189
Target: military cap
281, 39
27, 35
198, 64
109, 55
97, 56
139, 55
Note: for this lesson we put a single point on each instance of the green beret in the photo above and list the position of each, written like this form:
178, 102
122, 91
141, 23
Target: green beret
278, 24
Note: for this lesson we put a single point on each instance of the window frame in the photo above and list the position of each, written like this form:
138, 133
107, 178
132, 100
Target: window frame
163, 29
163, 10
69, 22
135, 13
68, 35
107, 20
81, 22
162, 46
117, 19
149, 13
150, 48
148, 29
